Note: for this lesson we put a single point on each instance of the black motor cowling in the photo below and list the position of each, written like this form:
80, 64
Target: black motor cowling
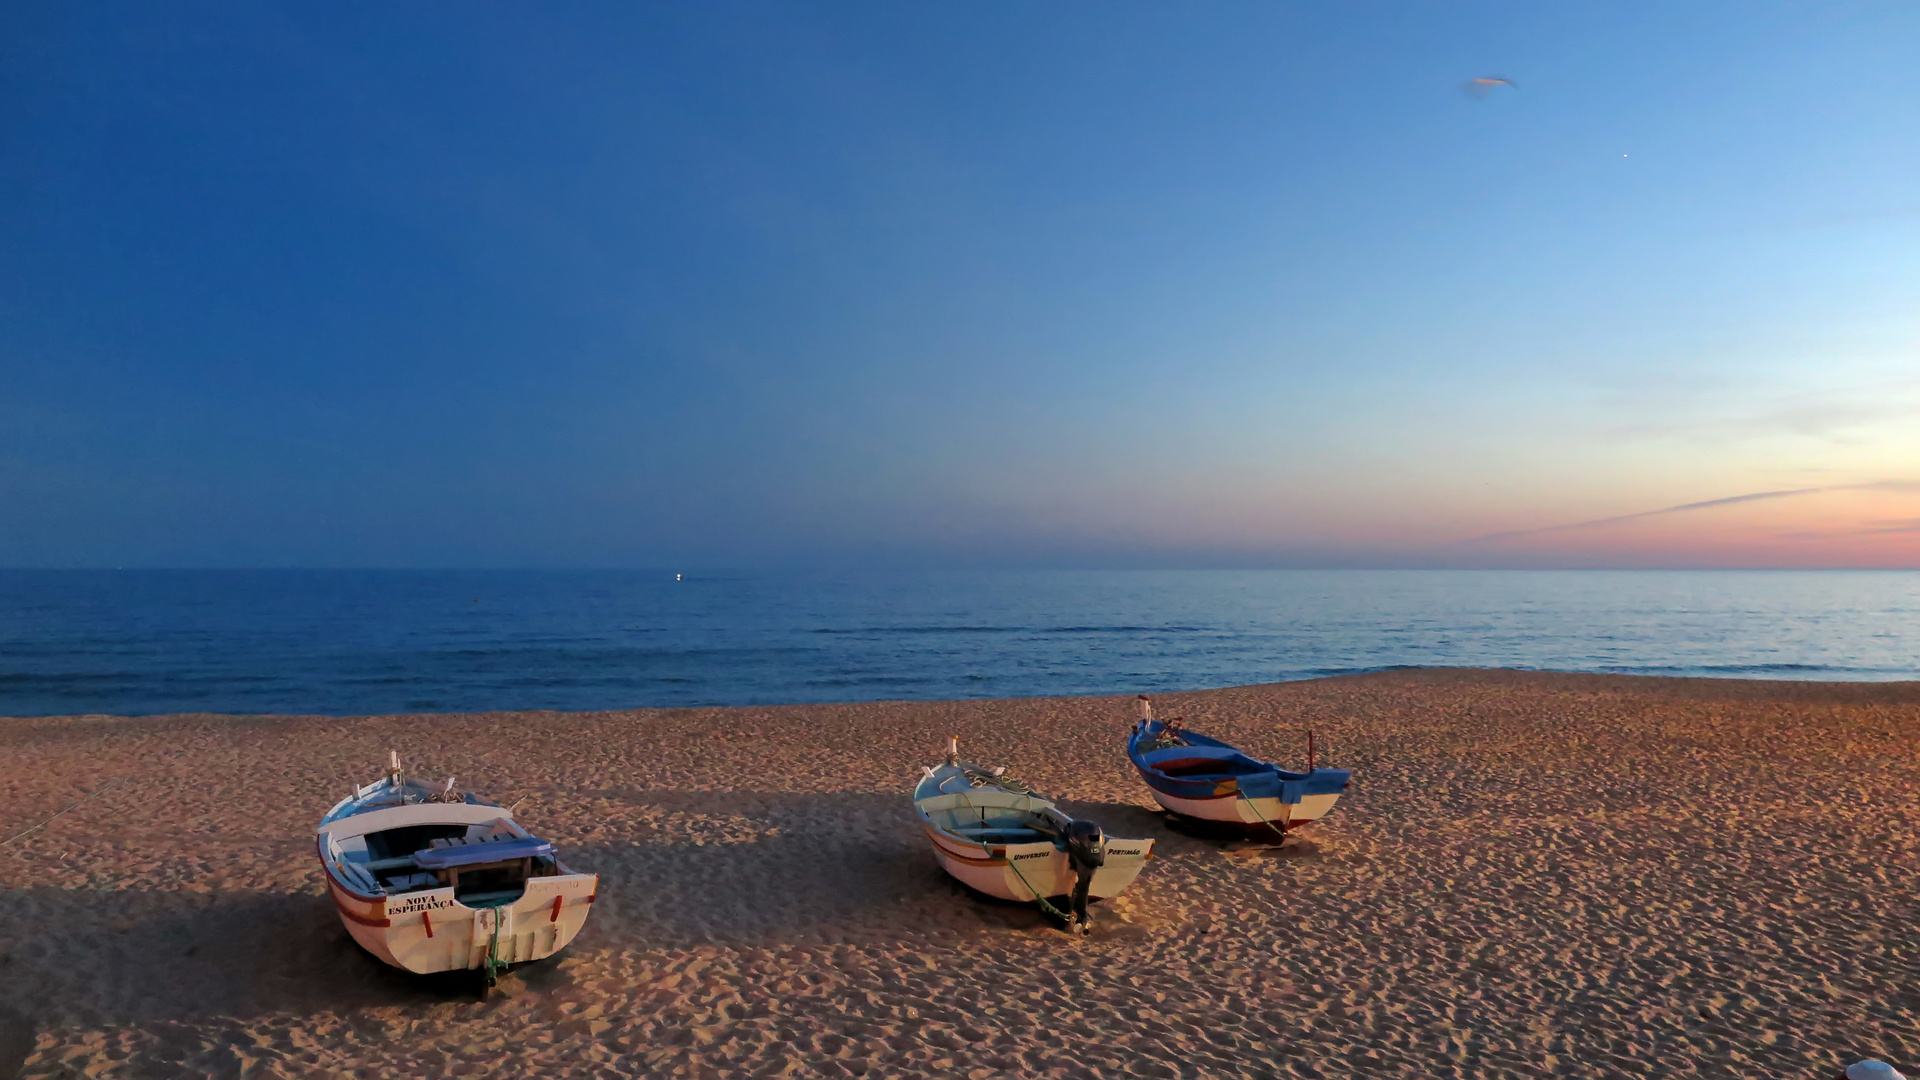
1086, 844
1086, 852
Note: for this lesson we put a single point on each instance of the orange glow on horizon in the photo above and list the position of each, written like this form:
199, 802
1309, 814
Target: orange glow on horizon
1851, 528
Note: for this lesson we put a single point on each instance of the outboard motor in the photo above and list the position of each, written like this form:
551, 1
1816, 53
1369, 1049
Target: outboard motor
1086, 852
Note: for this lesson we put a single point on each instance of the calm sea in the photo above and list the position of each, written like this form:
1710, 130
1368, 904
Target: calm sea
346, 642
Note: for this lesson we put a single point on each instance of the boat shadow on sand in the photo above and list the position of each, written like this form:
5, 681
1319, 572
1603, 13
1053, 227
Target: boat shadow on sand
678, 869
1168, 827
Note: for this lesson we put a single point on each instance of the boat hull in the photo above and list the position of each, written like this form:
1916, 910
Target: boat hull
403, 906
428, 932
1258, 814
1028, 872
1206, 780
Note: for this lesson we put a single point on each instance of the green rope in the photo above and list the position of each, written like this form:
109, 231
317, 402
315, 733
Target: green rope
1263, 818
32, 828
494, 966
1044, 906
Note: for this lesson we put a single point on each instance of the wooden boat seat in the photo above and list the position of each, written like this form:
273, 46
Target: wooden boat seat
478, 852
978, 832
411, 882
359, 878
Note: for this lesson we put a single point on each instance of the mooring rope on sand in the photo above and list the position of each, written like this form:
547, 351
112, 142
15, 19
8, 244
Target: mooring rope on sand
1048, 908
43, 824
1263, 818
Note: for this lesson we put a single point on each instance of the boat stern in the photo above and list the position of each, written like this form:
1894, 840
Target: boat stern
433, 931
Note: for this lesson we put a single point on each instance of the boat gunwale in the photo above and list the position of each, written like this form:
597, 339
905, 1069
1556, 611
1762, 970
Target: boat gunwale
333, 876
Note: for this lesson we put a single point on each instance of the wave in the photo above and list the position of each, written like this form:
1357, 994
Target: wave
617, 652
875, 680
1128, 629
1742, 669
922, 630
1012, 630
1335, 672
32, 680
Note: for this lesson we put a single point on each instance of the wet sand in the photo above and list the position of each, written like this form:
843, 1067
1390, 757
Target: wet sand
1533, 875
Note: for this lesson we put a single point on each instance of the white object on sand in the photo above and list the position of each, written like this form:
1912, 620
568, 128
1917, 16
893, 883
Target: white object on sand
1871, 1069
428, 879
996, 835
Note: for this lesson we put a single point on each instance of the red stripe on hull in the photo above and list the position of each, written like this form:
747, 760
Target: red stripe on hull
941, 845
363, 920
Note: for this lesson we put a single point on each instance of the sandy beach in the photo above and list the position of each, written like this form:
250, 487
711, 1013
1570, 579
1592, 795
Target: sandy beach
1533, 875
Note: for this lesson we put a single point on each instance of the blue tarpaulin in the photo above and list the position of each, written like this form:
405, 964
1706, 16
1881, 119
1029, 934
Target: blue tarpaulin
491, 851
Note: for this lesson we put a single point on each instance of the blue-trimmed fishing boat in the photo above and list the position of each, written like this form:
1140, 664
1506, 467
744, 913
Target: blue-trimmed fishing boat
1207, 780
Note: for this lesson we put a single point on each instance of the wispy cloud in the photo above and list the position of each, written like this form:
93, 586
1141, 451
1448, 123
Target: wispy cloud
1757, 496
1894, 527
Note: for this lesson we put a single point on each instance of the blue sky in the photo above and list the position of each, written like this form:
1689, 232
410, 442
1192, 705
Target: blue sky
603, 285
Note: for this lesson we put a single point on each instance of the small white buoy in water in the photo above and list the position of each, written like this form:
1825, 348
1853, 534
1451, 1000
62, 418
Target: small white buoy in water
676, 577
1870, 1070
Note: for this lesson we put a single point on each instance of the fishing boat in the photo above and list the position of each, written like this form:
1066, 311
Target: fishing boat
429, 879
1207, 780
995, 834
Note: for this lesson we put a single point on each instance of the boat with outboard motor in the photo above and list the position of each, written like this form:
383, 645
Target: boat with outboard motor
995, 834
430, 879
1207, 780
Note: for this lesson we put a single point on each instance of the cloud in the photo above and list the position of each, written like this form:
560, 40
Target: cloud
1876, 485
1894, 527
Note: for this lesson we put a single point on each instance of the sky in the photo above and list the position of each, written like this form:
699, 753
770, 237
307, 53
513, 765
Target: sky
788, 284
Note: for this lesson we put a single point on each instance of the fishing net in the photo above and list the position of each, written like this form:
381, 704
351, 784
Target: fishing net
1168, 736
979, 777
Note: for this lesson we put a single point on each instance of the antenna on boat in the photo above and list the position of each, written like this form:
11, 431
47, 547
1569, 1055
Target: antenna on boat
1146, 707
953, 749
1309, 749
393, 767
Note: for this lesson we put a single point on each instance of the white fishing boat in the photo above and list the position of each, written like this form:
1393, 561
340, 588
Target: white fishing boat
430, 879
998, 836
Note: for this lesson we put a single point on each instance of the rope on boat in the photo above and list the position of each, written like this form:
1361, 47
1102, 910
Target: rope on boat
43, 824
978, 777
494, 966
1169, 736
1282, 833
1044, 906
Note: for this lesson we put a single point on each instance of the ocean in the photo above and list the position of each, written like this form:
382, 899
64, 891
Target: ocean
350, 642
